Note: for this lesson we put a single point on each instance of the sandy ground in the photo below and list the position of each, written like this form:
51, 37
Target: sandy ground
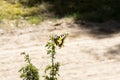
83, 57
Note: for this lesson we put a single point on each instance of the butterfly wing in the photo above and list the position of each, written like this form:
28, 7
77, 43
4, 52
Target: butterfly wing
61, 40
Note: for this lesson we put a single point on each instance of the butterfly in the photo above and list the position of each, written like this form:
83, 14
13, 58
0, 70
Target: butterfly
59, 40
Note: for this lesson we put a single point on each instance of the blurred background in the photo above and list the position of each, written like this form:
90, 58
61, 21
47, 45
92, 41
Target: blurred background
91, 50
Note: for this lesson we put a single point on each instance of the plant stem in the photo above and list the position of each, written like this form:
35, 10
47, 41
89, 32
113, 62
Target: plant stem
52, 66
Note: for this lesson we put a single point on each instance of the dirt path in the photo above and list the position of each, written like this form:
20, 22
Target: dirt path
82, 57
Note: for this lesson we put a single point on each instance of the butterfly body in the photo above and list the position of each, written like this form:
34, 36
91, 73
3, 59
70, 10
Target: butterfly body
59, 40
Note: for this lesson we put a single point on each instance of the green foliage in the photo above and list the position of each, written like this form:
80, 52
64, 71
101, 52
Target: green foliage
35, 19
87, 9
92, 10
13, 9
29, 72
52, 71
10, 11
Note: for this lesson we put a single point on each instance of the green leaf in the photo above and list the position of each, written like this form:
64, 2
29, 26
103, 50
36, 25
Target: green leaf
47, 68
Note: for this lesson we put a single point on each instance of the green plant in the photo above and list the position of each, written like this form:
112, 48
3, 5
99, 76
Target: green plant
29, 72
52, 71
13, 9
35, 19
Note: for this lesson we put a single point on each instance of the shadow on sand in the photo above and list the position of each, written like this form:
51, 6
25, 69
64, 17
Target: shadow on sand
100, 30
113, 52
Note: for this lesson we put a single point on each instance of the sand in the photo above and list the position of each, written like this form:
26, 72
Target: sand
83, 57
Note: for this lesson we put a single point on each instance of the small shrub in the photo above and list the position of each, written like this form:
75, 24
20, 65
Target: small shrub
52, 71
29, 72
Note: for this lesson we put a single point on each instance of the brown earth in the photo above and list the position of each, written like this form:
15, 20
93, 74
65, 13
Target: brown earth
83, 57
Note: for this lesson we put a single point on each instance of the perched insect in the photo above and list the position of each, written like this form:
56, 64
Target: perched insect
59, 40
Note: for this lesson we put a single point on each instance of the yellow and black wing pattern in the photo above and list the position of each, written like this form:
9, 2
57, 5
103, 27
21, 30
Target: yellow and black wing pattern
59, 40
